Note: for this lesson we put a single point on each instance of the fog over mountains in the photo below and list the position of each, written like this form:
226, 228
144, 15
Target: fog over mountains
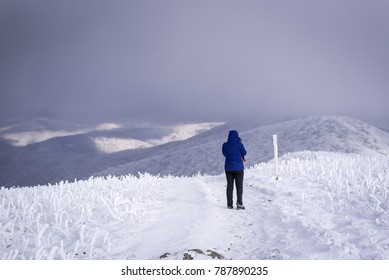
44, 151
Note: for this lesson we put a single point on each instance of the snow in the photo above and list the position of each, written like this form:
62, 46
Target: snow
167, 199
178, 133
114, 145
325, 205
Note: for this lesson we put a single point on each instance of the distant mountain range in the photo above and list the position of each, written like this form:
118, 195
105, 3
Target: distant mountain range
41, 152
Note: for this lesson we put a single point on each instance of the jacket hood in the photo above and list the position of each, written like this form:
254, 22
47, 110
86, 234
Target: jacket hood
233, 135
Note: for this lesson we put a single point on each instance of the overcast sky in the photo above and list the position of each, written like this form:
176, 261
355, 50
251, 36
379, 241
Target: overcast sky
193, 60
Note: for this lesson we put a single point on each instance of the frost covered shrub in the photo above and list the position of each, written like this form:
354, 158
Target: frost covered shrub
62, 221
347, 178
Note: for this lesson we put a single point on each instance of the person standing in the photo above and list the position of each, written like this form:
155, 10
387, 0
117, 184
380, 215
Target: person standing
234, 152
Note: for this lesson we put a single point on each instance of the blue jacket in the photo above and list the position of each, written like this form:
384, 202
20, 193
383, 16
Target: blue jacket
234, 152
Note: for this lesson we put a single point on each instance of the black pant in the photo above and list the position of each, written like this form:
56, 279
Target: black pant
236, 176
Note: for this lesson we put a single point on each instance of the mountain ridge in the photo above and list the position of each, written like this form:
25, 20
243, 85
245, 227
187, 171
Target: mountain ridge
329, 133
76, 156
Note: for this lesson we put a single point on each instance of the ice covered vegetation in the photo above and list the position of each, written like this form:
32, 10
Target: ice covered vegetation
324, 205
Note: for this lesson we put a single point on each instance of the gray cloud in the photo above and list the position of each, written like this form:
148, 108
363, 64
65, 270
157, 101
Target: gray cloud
193, 60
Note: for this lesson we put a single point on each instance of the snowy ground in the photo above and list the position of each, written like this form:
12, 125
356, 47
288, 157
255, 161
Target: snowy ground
324, 206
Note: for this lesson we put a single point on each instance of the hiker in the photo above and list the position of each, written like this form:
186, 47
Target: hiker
234, 152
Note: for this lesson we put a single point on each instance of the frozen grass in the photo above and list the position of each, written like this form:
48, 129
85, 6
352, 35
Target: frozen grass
348, 179
40, 222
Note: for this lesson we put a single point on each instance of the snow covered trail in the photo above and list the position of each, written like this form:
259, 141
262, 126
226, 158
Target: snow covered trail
175, 219
265, 230
270, 227
188, 214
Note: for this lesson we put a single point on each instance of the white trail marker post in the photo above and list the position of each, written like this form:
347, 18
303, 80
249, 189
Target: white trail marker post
275, 153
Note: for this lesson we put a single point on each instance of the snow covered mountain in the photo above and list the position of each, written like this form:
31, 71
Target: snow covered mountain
331, 200
37, 157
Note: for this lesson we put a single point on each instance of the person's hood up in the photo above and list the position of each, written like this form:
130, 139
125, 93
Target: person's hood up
233, 135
